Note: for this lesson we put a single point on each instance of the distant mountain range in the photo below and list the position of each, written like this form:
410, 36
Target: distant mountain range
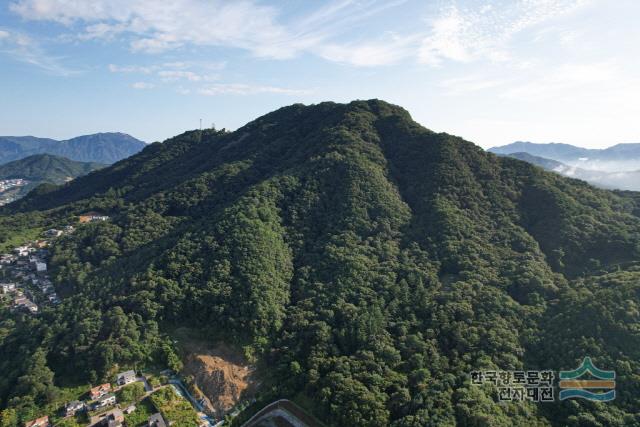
42, 168
569, 153
105, 148
616, 167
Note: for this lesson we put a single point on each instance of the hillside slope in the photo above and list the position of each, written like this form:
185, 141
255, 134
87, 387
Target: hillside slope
47, 168
105, 148
543, 162
42, 169
366, 264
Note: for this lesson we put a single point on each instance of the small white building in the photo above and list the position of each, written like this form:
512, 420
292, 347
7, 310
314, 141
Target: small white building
106, 400
41, 267
32, 307
72, 407
7, 259
126, 377
7, 287
53, 233
21, 251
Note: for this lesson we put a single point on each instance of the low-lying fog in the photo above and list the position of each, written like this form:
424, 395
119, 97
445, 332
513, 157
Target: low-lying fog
606, 165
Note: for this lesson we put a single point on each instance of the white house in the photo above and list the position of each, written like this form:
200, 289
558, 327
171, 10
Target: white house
7, 287
106, 400
22, 251
72, 407
41, 267
126, 377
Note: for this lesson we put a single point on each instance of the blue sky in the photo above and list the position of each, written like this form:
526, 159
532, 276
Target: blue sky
490, 71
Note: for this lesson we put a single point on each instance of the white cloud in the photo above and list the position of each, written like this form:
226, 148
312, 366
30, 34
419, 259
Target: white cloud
463, 34
171, 72
173, 75
244, 89
565, 79
24, 49
154, 26
170, 66
466, 34
367, 54
158, 25
130, 69
142, 85
465, 85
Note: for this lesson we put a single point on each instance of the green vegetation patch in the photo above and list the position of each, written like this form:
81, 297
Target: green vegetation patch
18, 237
139, 417
174, 408
130, 393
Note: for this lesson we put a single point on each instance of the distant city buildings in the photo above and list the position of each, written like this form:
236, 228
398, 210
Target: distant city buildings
26, 277
6, 185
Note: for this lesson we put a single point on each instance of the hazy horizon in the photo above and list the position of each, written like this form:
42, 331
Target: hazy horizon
65, 138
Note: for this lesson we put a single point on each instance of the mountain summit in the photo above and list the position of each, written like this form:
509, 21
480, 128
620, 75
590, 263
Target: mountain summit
365, 264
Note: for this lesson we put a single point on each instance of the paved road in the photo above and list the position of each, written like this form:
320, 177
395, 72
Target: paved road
293, 414
143, 380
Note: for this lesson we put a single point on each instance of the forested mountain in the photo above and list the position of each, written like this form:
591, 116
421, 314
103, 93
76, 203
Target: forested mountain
366, 264
103, 148
548, 164
46, 168
43, 169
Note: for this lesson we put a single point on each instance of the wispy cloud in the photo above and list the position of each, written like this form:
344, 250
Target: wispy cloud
23, 48
142, 85
389, 50
158, 25
174, 75
185, 81
155, 26
130, 69
245, 89
170, 73
475, 83
484, 32
548, 81
563, 79
478, 31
